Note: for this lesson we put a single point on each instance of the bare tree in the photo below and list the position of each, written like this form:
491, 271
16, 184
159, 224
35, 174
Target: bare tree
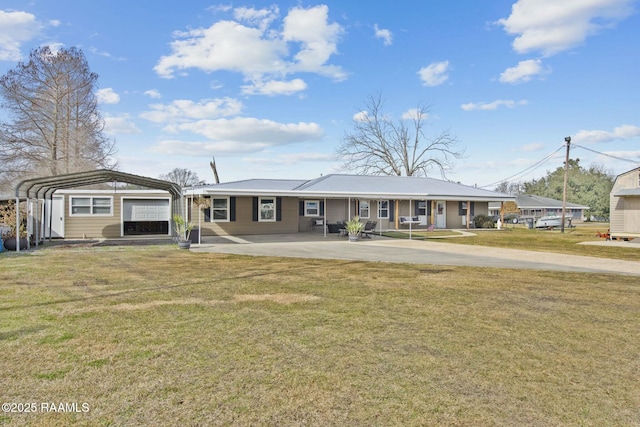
182, 177
55, 126
380, 146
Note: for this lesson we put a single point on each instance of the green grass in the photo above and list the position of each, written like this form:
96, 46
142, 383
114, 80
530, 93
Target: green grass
158, 336
519, 237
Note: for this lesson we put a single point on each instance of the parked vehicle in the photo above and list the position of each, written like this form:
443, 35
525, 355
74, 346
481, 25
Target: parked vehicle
552, 221
512, 218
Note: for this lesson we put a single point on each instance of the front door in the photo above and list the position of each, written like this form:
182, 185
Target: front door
441, 214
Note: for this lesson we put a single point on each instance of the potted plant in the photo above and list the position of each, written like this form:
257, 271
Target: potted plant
354, 228
14, 234
183, 230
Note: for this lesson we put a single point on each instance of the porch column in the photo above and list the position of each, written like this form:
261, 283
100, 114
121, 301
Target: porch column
324, 218
397, 210
433, 213
468, 214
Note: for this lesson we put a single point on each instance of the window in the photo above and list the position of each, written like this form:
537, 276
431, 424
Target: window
267, 209
311, 208
421, 207
219, 209
383, 209
364, 209
91, 205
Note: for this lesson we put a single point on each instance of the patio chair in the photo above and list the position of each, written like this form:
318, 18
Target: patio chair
317, 223
369, 229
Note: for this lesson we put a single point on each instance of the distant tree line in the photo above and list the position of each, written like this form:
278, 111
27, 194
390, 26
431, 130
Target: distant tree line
585, 186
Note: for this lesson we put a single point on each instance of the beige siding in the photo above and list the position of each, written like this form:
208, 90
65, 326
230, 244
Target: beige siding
99, 226
632, 214
625, 211
92, 226
244, 223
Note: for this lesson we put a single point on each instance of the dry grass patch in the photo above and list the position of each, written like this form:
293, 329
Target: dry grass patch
158, 336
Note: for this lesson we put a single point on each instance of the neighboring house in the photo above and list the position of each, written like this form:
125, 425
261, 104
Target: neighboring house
532, 206
268, 206
625, 205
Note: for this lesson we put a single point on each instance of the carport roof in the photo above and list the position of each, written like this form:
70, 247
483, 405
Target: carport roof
39, 187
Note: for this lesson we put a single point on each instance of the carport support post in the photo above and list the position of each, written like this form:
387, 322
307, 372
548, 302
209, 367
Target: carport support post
17, 224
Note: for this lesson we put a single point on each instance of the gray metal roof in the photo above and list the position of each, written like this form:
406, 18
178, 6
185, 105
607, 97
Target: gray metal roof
627, 192
251, 185
356, 186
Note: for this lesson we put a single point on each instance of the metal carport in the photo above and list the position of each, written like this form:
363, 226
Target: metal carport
43, 187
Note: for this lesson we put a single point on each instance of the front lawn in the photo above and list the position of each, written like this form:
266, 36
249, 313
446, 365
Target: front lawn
157, 336
520, 237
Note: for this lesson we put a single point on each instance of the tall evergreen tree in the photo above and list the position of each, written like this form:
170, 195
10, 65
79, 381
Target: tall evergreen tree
54, 125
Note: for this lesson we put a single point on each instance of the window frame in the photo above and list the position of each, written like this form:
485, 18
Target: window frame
92, 206
227, 210
364, 202
261, 205
306, 208
381, 209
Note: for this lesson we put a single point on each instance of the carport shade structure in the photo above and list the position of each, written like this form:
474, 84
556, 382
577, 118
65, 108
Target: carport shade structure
45, 187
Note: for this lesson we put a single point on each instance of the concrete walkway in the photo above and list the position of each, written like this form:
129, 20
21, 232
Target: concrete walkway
381, 249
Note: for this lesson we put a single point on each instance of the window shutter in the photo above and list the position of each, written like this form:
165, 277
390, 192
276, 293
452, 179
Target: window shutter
416, 208
278, 208
321, 208
255, 208
472, 206
232, 208
428, 202
301, 212
392, 210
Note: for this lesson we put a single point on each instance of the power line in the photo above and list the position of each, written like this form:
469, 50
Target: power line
532, 167
606, 155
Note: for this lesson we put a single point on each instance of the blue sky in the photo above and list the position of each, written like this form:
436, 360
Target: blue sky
270, 88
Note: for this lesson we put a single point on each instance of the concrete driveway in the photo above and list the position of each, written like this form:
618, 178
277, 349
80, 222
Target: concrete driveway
381, 249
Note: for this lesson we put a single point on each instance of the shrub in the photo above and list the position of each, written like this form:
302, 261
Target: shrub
483, 221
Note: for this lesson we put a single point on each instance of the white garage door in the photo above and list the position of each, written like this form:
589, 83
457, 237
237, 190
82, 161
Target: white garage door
146, 210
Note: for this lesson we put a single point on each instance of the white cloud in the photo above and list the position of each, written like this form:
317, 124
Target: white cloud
361, 116
384, 34
275, 87
248, 130
239, 135
523, 72
120, 124
551, 26
16, 28
434, 74
107, 96
257, 49
182, 110
595, 136
292, 159
153, 93
489, 106
412, 114
535, 146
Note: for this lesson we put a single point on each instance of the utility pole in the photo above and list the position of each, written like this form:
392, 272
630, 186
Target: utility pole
566, 176
215, 170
